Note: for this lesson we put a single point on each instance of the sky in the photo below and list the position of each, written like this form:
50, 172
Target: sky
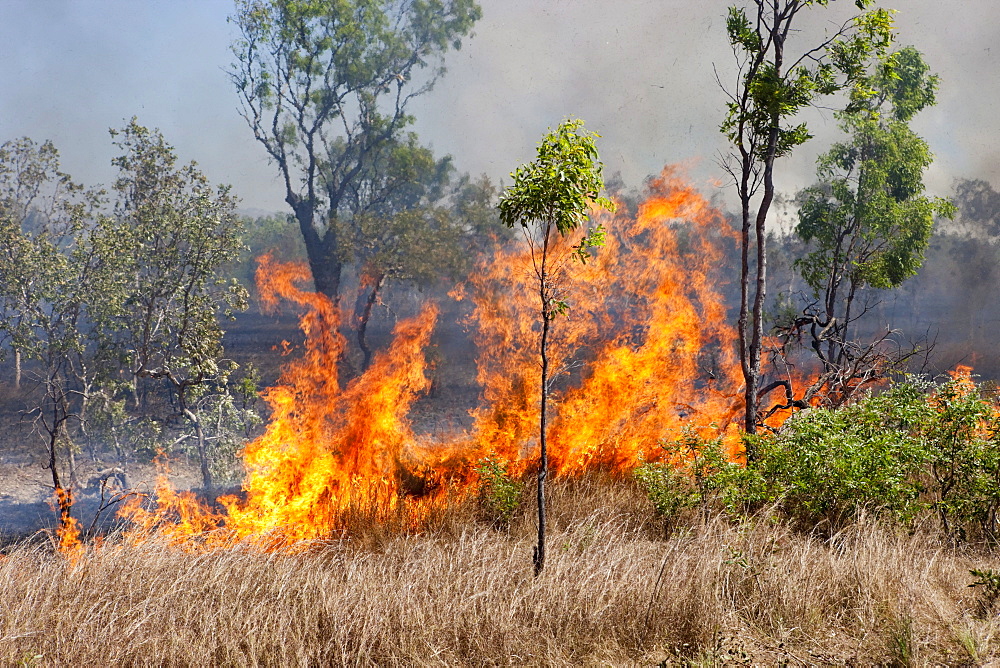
642, 73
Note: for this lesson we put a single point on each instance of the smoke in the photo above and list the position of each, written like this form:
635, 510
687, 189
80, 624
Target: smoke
640, 73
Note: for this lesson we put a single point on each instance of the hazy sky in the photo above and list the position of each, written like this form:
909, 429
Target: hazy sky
640, 72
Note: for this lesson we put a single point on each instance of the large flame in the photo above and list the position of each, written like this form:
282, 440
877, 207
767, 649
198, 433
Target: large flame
646, 329
644, 351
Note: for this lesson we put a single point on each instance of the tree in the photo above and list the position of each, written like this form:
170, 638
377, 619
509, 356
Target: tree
48, 274
325, 86
550, 199
407, 234
866, 223
774, 82
169, 236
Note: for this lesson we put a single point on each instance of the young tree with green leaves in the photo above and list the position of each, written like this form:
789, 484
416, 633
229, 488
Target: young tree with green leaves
866, 223
549, 199
777, 75
325, 87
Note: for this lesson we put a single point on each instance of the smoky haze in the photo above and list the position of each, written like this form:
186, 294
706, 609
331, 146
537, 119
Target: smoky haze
640, 73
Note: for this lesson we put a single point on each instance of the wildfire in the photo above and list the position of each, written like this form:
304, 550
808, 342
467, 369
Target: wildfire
68, 531
644, 351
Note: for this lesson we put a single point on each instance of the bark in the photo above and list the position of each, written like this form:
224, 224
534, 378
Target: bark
321, 248
199, 432
64, 495
365, 316
543, 463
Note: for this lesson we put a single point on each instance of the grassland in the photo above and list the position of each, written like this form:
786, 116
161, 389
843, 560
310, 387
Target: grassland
615, 591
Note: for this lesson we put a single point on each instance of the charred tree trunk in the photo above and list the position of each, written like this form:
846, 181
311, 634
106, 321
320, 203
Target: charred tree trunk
322, 249
377, 282
64, 494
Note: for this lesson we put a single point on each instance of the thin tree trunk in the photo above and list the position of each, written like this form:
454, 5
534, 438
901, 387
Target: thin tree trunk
543, 463
199, 431
364, 317
17, 368
543, 457
64, 496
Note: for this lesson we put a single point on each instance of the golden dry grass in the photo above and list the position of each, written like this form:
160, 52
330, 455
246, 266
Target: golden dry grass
614, 592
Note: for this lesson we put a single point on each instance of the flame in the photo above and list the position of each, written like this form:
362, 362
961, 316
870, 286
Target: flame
644, 352
647, 306
68, 532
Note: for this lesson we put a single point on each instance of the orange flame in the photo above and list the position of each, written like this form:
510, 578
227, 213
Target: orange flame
646, 307
68, 532
644, 351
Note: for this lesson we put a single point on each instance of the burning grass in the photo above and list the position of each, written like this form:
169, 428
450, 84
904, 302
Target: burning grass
644, 353
614, 591
356, 541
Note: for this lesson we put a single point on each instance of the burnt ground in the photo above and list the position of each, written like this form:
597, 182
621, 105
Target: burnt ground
26, 486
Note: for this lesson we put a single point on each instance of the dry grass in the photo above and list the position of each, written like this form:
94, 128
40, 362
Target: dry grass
614, 592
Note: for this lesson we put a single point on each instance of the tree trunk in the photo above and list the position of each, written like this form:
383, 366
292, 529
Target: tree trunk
543, 459
326, 269
543, 456
17, 368
365, 316
199, 432
322, 249
64, 495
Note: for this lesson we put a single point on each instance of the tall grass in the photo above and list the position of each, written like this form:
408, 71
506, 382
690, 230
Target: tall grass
614, 591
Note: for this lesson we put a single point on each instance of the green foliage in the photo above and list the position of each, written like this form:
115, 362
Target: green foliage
499, 495
826, 465
770, 95
913, 448
689, 473
916, 450
562, 183
169, 237
867, 222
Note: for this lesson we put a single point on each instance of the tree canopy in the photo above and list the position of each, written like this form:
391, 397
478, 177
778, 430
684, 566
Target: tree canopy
867, 222
325, 87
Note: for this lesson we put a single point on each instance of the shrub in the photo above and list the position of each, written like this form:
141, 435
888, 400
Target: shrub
916, 446
499, 495
690, 472
826, 465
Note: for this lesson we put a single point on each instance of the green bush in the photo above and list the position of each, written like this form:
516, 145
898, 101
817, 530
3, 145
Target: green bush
917, 447
824, 466
689, 473
499, 495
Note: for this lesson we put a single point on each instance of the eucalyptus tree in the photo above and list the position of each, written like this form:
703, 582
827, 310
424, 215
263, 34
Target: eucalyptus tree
166, 242
325, 86
548, 199
867, 222
780, 71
